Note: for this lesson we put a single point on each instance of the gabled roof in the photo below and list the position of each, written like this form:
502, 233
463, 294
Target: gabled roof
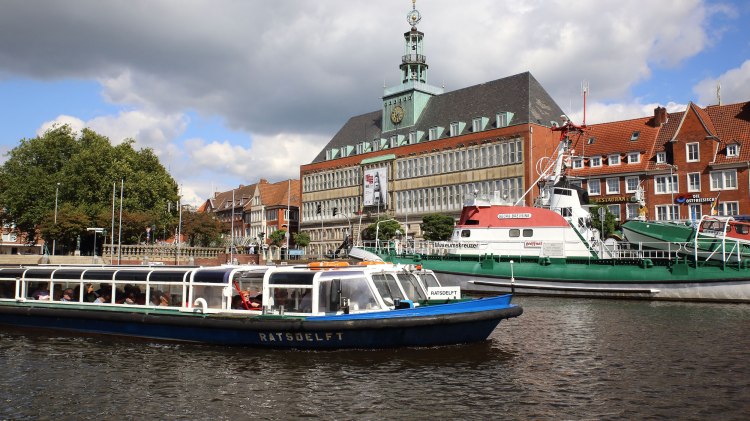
520, 94
281, 194
732, 125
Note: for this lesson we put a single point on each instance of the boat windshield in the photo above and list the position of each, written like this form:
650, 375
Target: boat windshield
388, 288
411, 286
428, 279
357, 290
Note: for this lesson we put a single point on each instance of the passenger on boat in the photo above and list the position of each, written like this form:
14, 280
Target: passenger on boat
104, 297
68, 295
41, 293
89, 295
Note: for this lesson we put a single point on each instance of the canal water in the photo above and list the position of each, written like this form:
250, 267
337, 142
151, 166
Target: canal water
562, 359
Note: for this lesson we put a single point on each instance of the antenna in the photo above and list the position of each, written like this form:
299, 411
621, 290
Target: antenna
584, 93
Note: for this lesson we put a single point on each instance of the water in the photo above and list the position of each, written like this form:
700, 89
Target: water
562, 359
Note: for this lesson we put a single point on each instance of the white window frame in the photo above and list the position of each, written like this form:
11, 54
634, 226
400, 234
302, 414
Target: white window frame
693, 182
595, 161
412, 138
614, 210
667, 212
590, 187
634, 157
615, 188
454, 129
476, 125
722, 178
661, 157
628, 180
433, 133
577, 163
613, 159
669, 188
692, 214
733, 150
723, 208
692, 149
632, 211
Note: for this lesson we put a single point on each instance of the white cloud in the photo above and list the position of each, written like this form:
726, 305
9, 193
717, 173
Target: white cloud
598, 112
735, 86
75, 123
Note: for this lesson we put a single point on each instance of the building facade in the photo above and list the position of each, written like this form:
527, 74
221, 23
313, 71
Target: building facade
687, 164
255, 211
425, 150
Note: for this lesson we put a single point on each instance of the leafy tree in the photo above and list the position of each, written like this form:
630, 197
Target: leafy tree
301, 239
83, 169
385, 231
72, 221
609, 221
278, 237
202, 229
437, 227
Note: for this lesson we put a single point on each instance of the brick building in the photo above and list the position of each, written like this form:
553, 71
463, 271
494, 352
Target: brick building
687, 163
255, 211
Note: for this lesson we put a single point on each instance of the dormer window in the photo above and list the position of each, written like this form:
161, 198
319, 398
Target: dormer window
454, 130
636, 134
577, 163
591, 140
503, 119
733, 150
433, 133
412, 138
634, 157
476, 125
596, 161
661, 157
614, 159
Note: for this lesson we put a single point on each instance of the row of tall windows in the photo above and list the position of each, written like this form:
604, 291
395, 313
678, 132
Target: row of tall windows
489, 155
330, 180
342, 207
451, 198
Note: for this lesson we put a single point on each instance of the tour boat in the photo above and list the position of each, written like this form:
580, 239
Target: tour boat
323, 305
552, 248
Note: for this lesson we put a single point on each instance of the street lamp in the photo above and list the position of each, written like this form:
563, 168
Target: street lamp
99, 230
54, 240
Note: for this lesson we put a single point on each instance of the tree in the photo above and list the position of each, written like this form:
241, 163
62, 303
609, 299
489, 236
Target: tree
72, 221
278, 237
202, 229
86, 166
301, 239
609, 221
385, 231
437, 227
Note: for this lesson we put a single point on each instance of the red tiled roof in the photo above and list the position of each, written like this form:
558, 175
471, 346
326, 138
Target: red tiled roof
732, 125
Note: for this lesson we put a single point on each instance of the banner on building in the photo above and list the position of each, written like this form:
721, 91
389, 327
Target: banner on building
376, 187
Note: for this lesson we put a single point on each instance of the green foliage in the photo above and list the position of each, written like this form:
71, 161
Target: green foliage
437, 227
609, 220
301, 239
385, 231
71, 222
83, 168
278, 237
202, 229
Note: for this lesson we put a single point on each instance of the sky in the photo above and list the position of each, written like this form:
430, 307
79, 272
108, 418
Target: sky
227, 92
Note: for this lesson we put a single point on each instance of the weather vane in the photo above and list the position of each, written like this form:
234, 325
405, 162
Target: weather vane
413, 17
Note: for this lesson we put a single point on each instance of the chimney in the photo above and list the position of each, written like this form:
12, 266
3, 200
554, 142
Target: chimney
660, 116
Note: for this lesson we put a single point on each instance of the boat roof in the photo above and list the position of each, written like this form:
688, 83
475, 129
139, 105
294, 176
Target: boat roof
214, 274
499, 216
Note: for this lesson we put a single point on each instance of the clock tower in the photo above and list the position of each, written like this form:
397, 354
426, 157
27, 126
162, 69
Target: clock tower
403, 104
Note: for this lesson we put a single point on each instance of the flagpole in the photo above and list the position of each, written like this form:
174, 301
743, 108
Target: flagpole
119, 234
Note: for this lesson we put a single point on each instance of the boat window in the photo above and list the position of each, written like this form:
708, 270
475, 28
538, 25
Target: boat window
465, 233
167, 276
357, 290
742, 229
68, 274
429, 280
7, 288
99, 275
566, 212
67, 291
388, 288
38, 273
472, 222
11, 273
213, 294
291, 278
293, 300
165, 295
411, 287
38, 290
212, 276
528, 232
515, 232
250, 281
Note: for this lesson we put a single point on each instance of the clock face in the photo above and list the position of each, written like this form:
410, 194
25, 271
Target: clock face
397, 114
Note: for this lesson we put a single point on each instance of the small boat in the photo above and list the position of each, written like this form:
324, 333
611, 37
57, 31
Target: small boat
326, 305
